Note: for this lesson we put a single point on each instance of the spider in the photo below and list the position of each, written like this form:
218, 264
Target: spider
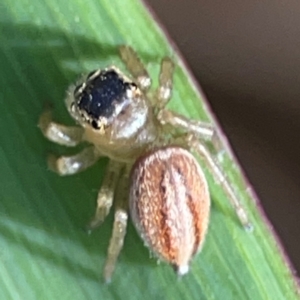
151, 171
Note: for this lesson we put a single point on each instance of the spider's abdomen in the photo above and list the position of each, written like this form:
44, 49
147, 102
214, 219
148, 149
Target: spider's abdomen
169, 204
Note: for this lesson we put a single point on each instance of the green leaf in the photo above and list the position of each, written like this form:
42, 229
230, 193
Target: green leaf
44, 253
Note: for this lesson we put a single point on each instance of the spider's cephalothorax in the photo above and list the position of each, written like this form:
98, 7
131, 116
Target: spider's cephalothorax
150, 166
108, 104
102, 97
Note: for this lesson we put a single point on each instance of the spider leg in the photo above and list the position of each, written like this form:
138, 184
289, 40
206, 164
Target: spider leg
200, 148
202, 130
198, 132
69, 165
164, 90
58, 133
106, 194
135, 66
119, 228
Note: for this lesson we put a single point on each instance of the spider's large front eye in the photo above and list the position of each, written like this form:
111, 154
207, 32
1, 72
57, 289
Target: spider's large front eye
102, 95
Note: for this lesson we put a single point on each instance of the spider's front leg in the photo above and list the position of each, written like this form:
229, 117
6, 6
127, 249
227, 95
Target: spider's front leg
67, 136
64, 135
163, 95
164, 90
135, 67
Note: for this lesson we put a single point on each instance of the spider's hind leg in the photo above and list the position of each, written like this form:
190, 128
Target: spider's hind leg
120, 224
196, 135
106, 194
220, 177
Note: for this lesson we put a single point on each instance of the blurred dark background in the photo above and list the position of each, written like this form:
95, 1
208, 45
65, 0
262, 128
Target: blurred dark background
246, 57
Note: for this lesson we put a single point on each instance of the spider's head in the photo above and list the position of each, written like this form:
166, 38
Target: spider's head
99, 99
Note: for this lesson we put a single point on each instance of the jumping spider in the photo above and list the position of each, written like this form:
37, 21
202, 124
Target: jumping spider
151, 171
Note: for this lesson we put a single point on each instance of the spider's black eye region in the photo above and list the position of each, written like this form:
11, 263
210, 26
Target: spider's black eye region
102, 93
